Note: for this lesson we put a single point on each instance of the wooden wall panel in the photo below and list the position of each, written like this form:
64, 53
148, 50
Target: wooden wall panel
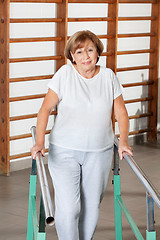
153, 73
4, 86
61, 39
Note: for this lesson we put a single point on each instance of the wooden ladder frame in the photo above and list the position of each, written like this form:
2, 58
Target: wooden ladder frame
61, 39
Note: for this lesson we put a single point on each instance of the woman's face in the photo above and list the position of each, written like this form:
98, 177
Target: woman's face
86, 56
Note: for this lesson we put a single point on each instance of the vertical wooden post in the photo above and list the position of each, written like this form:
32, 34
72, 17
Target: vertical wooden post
62, 12
153, 73
112, 43
4, 87
112, 30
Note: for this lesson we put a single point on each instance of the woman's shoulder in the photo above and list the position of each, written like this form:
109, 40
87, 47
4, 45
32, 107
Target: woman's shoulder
106, 70
66, 67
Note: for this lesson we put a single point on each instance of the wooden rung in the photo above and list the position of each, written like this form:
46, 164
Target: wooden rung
131, 35
137, 1
101, 36
139, 116
150, 82
133, 68
42, 39
23, 155
145, 99
110, 53
15, 99
38, 1
106, 19
136, 18
32, 59
136, 51
34, 20
28, 135
91, 1
23, 79
137, 132
23, 117
105, 36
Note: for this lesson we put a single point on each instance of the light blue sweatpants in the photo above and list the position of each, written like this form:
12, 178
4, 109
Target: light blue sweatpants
79, 180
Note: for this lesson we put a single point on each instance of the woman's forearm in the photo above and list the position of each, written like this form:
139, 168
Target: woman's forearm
123, 124
42, 121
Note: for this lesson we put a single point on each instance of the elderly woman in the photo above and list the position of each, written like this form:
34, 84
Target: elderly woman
81, 141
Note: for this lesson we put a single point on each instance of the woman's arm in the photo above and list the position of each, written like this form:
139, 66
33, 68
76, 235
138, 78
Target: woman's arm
50, 101
123, 123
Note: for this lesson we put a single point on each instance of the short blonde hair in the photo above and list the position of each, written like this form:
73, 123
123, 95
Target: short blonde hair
77, 40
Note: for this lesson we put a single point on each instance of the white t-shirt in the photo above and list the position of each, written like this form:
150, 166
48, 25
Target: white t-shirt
85, 105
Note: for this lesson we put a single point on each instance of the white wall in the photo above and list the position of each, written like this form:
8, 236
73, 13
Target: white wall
41, 10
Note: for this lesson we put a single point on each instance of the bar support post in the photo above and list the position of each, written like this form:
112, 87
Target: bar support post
150, 232
117, 192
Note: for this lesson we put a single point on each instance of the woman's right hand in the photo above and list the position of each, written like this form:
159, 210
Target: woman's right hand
37, 148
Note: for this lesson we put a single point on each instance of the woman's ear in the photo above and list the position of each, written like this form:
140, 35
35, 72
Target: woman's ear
73, 60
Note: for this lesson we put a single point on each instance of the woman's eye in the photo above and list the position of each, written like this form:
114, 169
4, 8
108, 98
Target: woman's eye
78, 52
90, 50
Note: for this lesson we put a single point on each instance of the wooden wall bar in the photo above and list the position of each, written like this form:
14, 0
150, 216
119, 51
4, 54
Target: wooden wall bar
4, 87
62, 12
112, 43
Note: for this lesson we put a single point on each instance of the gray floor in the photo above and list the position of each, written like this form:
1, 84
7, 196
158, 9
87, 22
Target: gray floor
14, 199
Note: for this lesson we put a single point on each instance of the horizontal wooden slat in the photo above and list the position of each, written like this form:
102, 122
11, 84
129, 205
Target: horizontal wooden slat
107, 19
23, 79
136, 18
34, 20
101, 36
23, 155
110, 53
37, 1
28, 135
135, 52
23, 117
138, 100
42, 39
23, 98
133, 68
32, 59
137, 132
139, 116
131, 35
91, 1
150, 82
105, 36
137, 1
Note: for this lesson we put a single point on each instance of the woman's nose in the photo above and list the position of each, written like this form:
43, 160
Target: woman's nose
86, 55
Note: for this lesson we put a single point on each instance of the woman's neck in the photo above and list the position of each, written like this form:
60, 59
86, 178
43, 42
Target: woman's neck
88, 74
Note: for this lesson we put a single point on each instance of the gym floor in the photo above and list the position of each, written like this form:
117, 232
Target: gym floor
14, 199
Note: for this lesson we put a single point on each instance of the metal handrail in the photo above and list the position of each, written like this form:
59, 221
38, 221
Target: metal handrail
47, 202
141, 175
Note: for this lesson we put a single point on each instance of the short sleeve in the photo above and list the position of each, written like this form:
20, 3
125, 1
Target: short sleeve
57, 82
117, 87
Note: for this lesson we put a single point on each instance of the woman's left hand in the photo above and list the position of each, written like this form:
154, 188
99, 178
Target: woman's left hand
124, 148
